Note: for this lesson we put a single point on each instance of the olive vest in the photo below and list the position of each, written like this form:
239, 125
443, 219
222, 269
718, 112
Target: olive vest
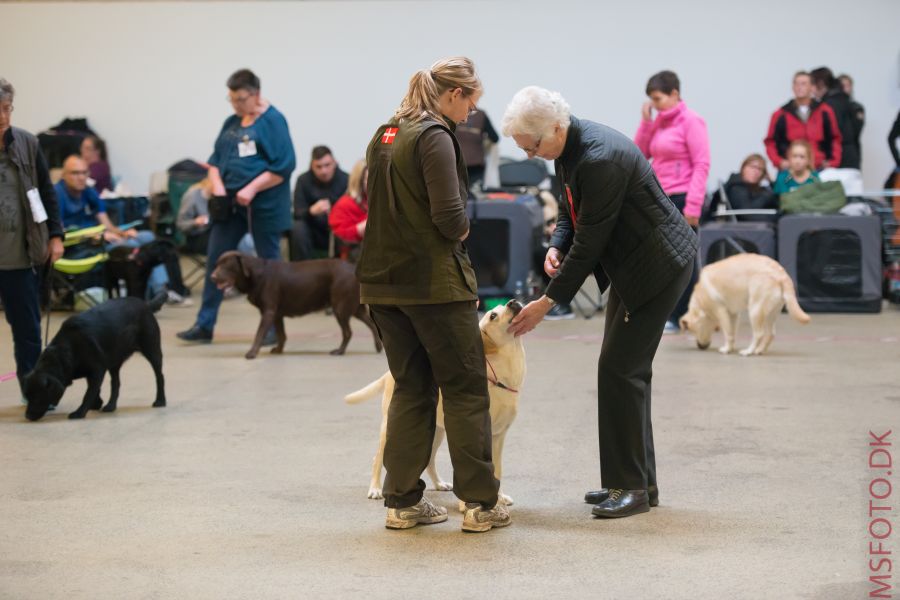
404, 257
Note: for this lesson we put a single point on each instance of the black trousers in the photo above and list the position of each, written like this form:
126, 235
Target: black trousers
681, 307
429, 347
19, 294
627, 455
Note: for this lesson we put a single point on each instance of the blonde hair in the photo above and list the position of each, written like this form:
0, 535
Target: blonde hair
355, 182
426, 86
810, 155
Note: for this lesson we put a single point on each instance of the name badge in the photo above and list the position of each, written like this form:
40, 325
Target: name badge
37, 207
246, 147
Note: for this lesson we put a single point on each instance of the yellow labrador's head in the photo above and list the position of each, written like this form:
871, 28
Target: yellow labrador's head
494, 324
699, 322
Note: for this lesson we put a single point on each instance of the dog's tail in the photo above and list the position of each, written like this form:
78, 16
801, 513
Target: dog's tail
371, 390
789, 295
157, 301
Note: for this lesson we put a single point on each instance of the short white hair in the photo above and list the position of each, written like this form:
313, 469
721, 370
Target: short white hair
535, 111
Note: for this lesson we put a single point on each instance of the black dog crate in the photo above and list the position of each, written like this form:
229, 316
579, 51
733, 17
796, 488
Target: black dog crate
501, 243
721, 240
834, 260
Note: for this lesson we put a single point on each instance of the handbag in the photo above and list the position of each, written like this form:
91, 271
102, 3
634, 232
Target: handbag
220, 208
819, 197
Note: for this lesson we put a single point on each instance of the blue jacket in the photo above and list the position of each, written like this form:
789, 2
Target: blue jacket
271, 208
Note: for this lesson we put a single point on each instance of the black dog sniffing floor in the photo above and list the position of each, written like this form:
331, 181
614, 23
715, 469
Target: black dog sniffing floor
90, 344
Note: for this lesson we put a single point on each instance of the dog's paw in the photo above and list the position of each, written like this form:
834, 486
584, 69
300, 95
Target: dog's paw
76, 415
725, 349
336, 352
375, 494
250, 355
443, 486
748, 352
277, 350
98, 404
462, 506
504, 499
109, 408
159, 403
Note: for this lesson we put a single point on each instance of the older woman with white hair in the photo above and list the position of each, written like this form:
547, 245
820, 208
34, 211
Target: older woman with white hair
617, 223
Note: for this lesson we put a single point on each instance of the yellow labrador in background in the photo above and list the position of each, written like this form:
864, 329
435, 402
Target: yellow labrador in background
742, 282
505, 357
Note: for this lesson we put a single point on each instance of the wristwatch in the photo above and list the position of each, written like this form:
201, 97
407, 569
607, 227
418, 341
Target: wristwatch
550, 301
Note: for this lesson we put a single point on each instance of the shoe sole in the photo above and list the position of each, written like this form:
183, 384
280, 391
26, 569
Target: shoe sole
637, 510
482, 527
195, 341
410, 523
653, 502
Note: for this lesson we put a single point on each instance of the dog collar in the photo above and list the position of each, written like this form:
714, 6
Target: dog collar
496, 381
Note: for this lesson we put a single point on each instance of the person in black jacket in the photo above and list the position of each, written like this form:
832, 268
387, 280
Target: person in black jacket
30, 232
748, 189
616, 222
828, 89
317, 190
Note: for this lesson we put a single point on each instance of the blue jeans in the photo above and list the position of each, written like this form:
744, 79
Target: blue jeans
19, 293
158, 276
225, 236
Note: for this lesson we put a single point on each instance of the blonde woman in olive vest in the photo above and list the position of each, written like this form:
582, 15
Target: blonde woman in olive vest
416, 277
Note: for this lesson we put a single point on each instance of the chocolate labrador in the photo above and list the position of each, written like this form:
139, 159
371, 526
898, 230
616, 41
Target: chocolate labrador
90, 344
292, 289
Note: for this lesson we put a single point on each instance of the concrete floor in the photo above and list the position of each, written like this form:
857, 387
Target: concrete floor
252, 482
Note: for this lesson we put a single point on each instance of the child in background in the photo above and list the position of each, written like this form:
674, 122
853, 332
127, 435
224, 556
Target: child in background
799, 171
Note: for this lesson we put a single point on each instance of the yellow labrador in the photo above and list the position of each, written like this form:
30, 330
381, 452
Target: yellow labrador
505, 356
727, 287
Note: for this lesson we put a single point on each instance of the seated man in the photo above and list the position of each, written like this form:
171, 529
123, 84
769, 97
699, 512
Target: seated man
80, 207
317, 190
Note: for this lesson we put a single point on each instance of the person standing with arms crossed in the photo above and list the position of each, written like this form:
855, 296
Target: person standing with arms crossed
418, 281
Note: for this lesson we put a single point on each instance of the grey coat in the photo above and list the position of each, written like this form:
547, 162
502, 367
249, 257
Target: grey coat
620, 225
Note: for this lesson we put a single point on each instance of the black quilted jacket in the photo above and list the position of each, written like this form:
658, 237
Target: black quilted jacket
615, 220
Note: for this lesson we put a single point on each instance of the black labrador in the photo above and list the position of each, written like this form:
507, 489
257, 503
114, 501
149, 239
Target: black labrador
90, 344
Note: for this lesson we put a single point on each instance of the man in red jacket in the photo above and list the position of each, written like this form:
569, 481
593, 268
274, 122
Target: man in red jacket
804, 118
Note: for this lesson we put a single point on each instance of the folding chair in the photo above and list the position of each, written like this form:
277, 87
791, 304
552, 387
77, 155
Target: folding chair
66, 272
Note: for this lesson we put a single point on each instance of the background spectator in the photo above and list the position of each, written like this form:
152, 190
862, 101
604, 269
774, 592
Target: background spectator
93, 151
250, 165
25, 246
829, 90
799, 171
804, 118
193, 220
348, 217
678, 144
893, 137
315, 193
749, 189
472, 136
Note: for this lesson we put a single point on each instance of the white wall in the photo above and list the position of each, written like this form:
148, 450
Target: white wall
150, 75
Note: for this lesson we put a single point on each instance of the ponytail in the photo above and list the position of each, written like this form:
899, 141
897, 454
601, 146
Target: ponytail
426, 86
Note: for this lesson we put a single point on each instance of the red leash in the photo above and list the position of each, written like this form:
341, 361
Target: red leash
496, 381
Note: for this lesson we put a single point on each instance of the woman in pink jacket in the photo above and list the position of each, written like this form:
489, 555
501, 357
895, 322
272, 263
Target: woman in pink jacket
677, 143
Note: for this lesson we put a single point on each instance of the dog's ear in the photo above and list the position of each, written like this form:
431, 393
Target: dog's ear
489, 346
245, 267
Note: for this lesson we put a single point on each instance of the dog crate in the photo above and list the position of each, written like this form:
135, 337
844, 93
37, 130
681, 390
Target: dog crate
834, 260
721, 240
502, 239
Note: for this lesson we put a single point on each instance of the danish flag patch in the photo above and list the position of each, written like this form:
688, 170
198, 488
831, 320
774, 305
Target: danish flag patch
389, 134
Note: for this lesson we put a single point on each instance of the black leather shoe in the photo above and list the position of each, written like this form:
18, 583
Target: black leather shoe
598, 496
196, 334
622, 503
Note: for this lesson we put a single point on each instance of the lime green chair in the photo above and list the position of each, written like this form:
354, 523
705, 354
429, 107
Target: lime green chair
66, 271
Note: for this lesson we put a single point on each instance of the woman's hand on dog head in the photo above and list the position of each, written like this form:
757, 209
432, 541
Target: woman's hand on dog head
529, 317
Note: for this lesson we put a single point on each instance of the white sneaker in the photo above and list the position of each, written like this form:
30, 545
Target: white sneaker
423, 513
176, 299
478, 519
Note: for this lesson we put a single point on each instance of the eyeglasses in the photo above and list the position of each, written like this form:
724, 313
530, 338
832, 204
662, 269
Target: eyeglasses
7, 110
534, 149
238, 99
77, 173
